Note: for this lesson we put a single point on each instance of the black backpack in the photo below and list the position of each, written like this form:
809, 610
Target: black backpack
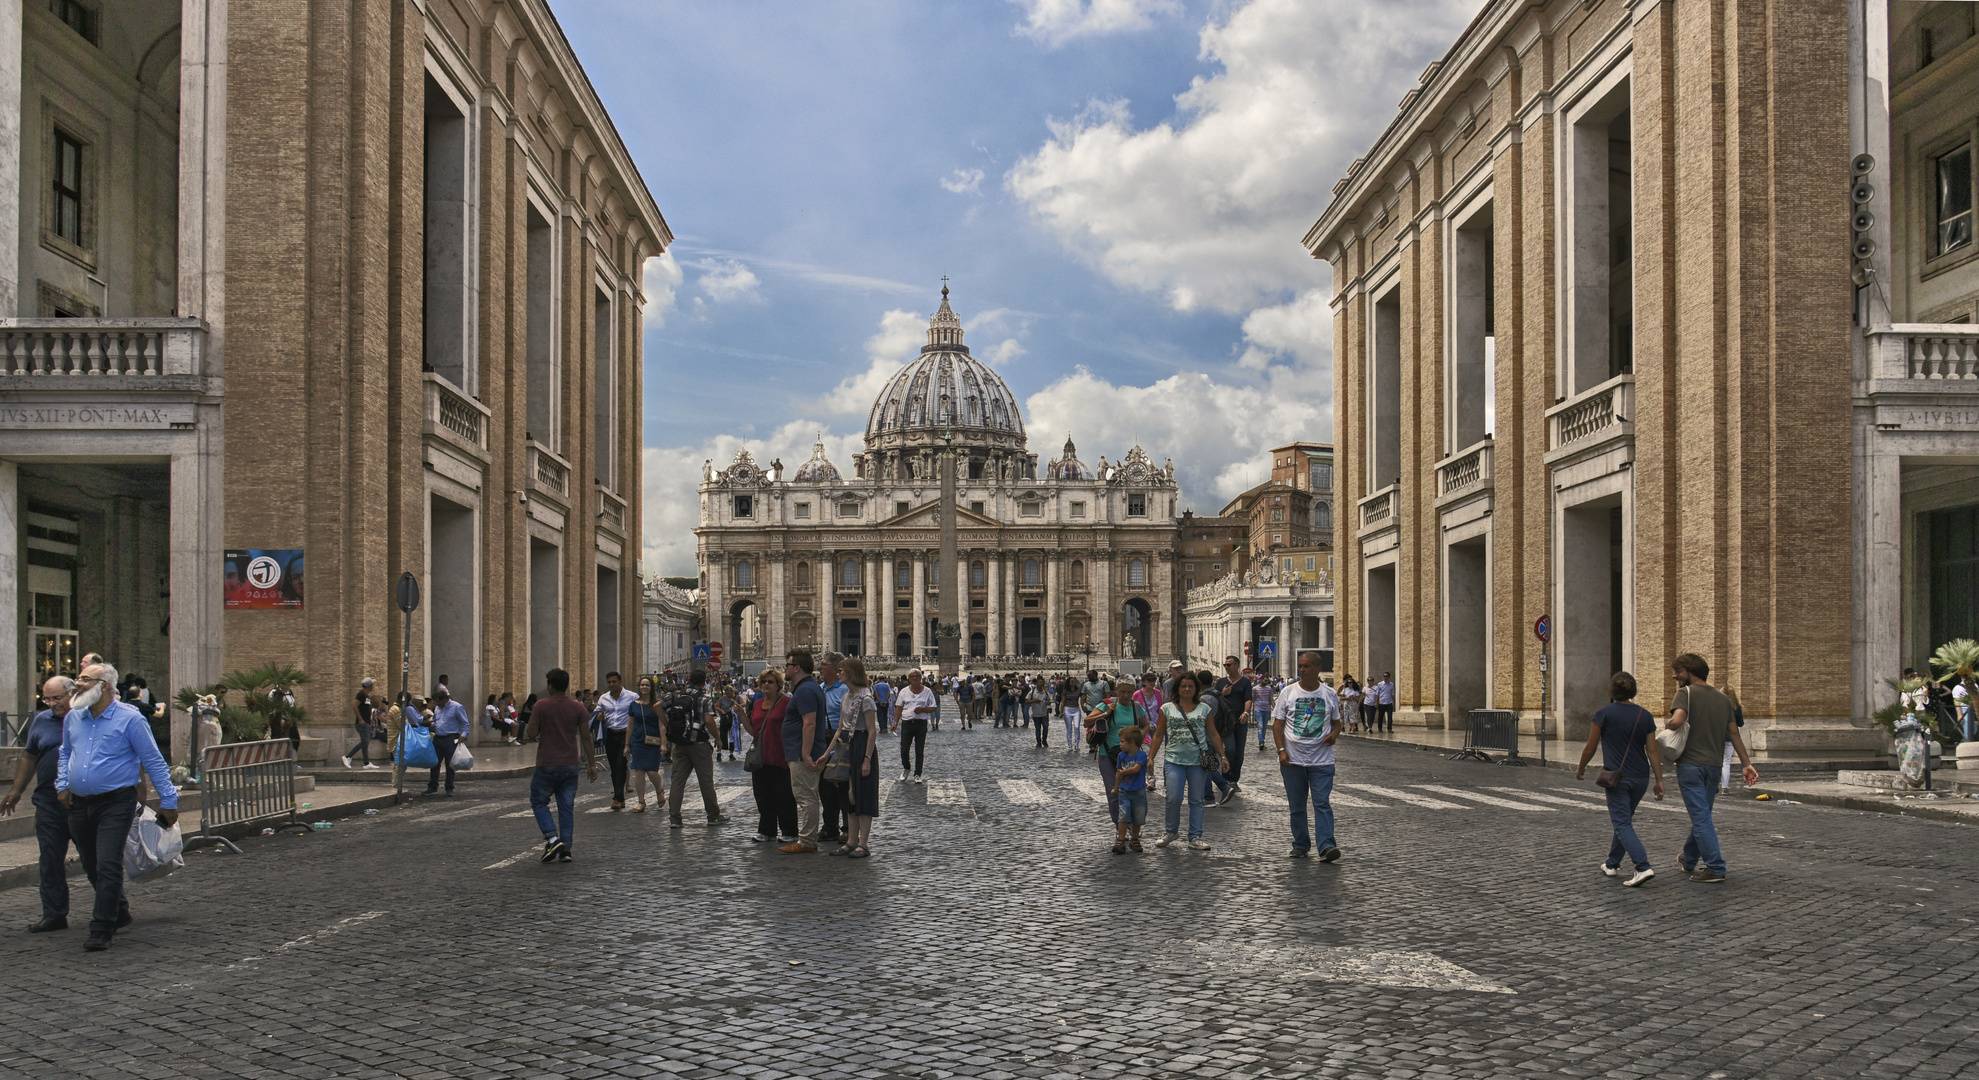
683, 716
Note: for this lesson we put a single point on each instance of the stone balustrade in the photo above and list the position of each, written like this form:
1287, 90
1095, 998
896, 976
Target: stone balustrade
138, 347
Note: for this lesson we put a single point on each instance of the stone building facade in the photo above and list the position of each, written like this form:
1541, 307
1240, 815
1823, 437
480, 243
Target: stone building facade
1064, 561
358, 279
670, 626
1596, 361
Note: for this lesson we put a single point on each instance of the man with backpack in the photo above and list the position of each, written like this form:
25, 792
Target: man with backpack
691, 734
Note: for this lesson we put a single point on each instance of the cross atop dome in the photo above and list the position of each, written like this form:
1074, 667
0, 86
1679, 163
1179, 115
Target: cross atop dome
945, 328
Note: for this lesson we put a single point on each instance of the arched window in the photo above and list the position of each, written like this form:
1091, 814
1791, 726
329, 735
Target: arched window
744, 577
934, 571
1322, 516
1030, 571
803, 575
848, 574
976, 578
903, 576
1137, 574
1078, 573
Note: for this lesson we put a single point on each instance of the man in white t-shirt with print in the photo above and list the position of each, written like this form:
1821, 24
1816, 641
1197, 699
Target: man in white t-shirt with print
1305, 723
913, 706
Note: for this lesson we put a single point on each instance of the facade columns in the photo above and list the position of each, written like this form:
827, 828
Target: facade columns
1054, 605
884, 588
993, 578
717, 625
869, 625
920, 607
774, 639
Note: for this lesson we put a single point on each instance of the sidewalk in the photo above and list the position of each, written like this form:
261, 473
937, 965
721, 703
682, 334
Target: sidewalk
495, 761
20, 858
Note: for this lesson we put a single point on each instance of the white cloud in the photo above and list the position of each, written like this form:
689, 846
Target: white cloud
1002, 352
1301, 331
1215, 432
963, 181
1208, 208
899, 339
1055, 22
727, 279
661, 284
673, 473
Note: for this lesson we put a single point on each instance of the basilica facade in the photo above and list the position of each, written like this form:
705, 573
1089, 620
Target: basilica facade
1069, 561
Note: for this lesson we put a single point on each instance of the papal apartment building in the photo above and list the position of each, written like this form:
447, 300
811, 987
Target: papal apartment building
1655, 318
350, 286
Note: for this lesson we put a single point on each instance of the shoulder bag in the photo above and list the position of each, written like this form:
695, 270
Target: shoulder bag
1608, 778
1673, 740
753, 760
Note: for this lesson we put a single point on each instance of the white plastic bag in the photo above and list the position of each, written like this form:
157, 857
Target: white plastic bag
151, 849
463, 758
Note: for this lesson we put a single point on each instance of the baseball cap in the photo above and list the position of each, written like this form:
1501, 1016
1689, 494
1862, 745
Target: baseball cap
367, 681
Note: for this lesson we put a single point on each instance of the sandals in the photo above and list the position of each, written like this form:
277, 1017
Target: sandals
842, 849
641, 808
859, 852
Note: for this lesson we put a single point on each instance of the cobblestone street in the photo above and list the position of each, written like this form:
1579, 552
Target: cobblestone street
1466, 932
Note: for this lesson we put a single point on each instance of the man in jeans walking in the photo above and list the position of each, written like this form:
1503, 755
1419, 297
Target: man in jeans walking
1707, 713
804, 739
1305, 723
1382, 696
450, 726
560, 725
616, 706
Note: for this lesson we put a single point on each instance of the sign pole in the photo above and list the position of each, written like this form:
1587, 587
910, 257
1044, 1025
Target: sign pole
1543, 630
408, 598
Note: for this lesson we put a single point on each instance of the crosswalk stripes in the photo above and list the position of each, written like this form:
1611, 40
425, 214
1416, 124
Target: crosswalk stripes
1488, 800
1095, 789
1023, 792
947, 793
1590, 798
1409, 797
579, 801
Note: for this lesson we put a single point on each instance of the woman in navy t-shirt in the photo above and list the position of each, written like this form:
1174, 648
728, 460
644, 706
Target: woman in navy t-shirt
1626, 734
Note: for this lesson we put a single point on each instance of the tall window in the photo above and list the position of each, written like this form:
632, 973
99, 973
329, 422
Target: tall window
1954, 200
976, 578
744, 577
1322, 476
68, 187
1030, 571
1078, 573
447, 316
1137, 574
803, 575
1322, 516
539, 306
903, 576
1137, 505
934, 571
848, 573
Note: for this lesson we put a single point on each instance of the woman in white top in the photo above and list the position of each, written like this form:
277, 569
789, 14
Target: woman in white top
1350, 703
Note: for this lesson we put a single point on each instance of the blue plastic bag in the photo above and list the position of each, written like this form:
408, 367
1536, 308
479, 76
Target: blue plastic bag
416, 748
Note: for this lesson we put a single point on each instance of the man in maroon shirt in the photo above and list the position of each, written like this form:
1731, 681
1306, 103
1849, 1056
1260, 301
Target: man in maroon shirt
560, 725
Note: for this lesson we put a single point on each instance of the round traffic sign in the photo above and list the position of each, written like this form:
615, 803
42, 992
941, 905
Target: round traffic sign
1543, 628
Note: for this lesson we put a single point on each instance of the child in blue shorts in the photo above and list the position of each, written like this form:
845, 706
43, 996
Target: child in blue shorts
1131, 774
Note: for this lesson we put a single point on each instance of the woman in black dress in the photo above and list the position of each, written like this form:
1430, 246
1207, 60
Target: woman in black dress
859, 714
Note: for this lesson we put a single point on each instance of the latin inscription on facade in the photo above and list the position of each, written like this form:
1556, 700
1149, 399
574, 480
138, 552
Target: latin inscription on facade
94, 416
1919, 418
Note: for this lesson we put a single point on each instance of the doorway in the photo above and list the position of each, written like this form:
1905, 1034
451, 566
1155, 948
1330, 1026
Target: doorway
1379, 621
1591, 627
1030, 637
1466, 630
851, 637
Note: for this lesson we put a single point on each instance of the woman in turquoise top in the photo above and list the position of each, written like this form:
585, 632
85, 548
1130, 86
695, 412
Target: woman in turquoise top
1117, 713
1187, 735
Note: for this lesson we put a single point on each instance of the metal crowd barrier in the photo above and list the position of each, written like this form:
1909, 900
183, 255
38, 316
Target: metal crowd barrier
1491, 729
242, 783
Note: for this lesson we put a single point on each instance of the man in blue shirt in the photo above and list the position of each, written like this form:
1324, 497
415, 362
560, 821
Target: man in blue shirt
450, 725
832, 794
804, 740
106, 745
883, 697
40, 756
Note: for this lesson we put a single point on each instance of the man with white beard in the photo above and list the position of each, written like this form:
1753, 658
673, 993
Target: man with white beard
106, 745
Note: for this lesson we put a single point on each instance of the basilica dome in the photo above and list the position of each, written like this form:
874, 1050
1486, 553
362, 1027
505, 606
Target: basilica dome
945, 388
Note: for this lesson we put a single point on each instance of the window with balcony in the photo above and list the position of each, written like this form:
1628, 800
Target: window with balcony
1137, 505
848, 574
1470, 373
934, 572
745, 577
539, 313
447, 321
745, 506
68, 187
1030, 571
977, 578
903, 576
1952, 200
1137, 574
1384, 390
604, 373
1602, 305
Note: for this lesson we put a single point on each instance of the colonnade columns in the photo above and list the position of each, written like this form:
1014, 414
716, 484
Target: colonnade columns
1054, 623
1010, 609
775, 648
993, 577
869, 626
920, 606
887, 605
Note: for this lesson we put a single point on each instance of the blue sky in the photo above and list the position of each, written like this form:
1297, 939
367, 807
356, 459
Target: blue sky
1116, 190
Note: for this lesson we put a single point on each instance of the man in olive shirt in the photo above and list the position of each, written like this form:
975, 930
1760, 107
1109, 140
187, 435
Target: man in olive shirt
1708, 714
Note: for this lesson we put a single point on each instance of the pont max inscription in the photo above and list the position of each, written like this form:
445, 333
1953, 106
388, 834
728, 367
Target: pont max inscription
96, 416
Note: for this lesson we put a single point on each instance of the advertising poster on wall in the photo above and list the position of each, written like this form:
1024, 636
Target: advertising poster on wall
264, 579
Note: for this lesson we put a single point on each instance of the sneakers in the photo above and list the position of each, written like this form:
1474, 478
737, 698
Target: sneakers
674, 824
1134, 846
1198, 844
798, 847
347, 763
1642, 876
563, 855
1611, 871
1119, 848
1298, 853
760, 838
1331, 854
371, 766
1226, 795
722, 820
551, 849
1165, 840
1706, 877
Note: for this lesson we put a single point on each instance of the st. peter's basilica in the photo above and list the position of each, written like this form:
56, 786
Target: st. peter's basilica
1073, 560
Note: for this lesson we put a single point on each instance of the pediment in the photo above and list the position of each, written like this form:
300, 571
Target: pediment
923, 517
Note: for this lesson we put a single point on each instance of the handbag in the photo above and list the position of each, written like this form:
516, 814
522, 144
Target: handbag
1672, 741
1610, 778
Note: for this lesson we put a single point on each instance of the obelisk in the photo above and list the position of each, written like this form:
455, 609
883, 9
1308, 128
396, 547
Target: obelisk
949, 636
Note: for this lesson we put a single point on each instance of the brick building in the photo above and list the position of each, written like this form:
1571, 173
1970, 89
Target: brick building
1604, 355
354, 280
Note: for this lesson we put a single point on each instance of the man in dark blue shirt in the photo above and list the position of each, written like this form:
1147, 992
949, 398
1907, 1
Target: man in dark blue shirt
39, 758
805, 735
